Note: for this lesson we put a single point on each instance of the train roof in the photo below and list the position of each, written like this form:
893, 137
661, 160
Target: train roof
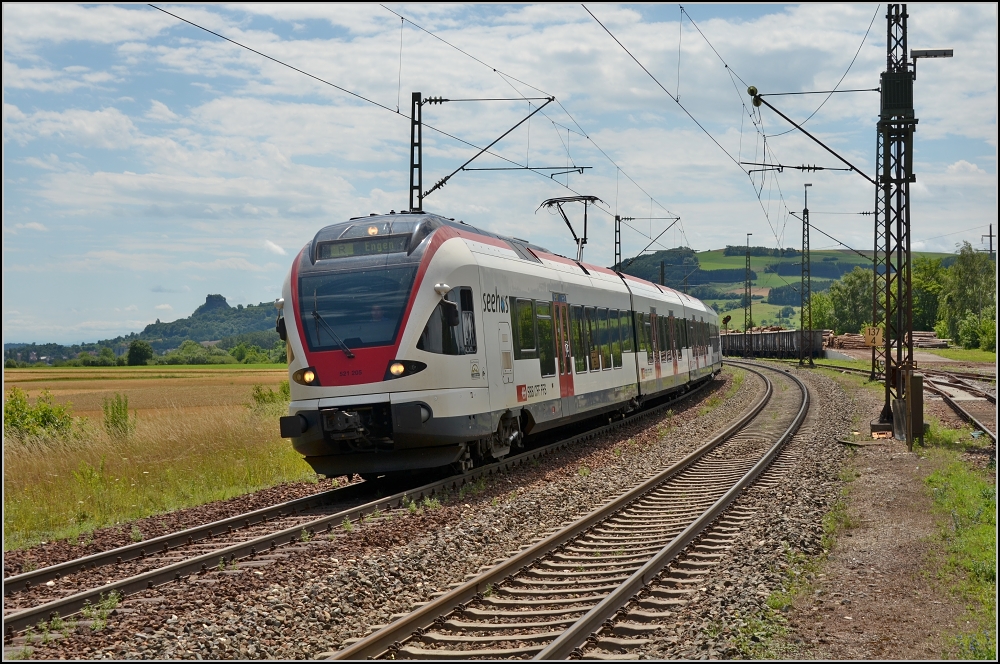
422, 223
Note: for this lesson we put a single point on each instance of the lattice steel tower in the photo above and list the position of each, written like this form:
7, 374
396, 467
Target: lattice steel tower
892, 213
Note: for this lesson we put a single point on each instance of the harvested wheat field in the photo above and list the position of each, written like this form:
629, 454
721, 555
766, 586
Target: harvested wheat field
149, 389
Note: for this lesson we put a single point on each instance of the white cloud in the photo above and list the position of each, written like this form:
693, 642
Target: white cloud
159, 112
163, 307
274, 249
962, 166
107, 129
131, 307
32, 225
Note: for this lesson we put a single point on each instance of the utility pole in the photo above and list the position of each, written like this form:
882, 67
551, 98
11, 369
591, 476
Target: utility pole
748, 309
805, 287
662, 282
685, 284
416, 154
990, 236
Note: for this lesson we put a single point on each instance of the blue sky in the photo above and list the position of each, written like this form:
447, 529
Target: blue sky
147, 162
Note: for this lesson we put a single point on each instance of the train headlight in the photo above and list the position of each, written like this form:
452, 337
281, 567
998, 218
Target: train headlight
400, 368
306, 376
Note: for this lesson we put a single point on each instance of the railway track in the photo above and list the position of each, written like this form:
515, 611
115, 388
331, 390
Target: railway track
970, 402
566, 590
253, 538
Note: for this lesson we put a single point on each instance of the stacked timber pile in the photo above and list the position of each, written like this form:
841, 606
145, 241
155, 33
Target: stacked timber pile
828, 337
857, 341
849, 340
928, 340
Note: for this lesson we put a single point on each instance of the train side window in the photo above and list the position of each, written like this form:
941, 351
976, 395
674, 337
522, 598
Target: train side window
524, 330
468, 321
590, 339
440, 337
546, 338
579, 349
648, 331
605, 338
664, 339
627, 338
615, 320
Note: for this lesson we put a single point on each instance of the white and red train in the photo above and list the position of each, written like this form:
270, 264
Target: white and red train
415, 341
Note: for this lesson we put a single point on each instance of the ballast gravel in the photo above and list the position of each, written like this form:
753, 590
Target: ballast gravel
105, 539
313, 597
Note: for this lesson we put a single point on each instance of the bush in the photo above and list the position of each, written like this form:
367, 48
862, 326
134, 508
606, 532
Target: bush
265, 398
968, 331
192, 352
941, 329
988, 330
46, 417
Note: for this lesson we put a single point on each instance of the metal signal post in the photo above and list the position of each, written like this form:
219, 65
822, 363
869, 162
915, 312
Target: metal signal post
805, 287
748, 310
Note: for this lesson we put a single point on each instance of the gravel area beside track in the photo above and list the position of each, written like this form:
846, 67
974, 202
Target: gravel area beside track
314, 596
105, 539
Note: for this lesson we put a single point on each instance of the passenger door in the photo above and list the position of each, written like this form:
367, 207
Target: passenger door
564, 364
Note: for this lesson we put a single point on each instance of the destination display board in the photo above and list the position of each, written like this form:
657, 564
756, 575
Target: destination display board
365, 247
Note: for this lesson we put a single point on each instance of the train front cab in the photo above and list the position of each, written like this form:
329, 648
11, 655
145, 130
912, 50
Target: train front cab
410, 393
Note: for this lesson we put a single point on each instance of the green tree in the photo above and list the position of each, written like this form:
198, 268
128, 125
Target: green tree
927, 283
969, 288
822, 312
139, 352
851, 297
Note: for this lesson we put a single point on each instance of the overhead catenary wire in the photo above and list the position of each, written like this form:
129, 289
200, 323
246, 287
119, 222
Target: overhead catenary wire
507, 78
355, 94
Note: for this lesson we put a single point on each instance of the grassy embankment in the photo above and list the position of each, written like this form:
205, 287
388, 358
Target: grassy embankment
963, 354
965, 501
191, 435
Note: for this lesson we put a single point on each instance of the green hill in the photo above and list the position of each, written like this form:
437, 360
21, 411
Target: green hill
717, 276
214, 320
211, 321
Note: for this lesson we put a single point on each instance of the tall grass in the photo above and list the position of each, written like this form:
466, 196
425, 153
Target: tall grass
62, 486
967, 501
965, 498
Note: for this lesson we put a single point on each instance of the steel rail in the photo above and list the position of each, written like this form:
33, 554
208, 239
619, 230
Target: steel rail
165, 543
931, 386
568, 642
66, 606
963, 413
388, 638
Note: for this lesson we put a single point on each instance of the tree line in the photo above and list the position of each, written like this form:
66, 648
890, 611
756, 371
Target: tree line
958, 302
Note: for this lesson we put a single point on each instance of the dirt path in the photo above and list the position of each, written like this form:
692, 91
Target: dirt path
876, 596
874, 599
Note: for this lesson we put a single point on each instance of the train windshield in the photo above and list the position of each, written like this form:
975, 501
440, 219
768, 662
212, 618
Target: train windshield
362, 307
